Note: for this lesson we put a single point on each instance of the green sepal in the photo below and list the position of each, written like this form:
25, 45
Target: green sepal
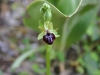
53, 31
40, 23
46, 26
57, 35
40, 36
50, 27
41, 28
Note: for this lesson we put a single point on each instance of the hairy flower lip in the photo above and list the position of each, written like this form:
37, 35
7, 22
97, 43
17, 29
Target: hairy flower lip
49, 38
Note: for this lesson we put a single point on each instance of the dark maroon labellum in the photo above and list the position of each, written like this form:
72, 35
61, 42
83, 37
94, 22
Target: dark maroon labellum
49, 38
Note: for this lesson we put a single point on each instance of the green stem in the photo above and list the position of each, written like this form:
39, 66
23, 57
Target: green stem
48, 60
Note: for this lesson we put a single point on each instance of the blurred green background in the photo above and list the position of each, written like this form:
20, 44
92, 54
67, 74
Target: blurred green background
76, 51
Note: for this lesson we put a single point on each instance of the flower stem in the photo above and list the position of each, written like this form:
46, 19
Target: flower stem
48, 60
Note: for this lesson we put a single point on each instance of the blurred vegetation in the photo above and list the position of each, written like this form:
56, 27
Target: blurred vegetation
77, 48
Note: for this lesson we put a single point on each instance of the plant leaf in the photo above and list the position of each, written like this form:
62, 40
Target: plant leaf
69, 7
91, 64
83, 19
89, 2
54, 2
21, 58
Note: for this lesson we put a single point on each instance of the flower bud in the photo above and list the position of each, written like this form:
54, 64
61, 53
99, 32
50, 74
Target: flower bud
46, 6
42, 10
47, 15
46, 12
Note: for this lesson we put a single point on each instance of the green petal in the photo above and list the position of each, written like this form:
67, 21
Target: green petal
53, 31
50, 26
40, 23
41, 28
57, 35
40, 36
45, 26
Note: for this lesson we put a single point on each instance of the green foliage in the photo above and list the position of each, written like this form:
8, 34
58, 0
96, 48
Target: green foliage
23, 73
68, 7
91, 62
1, 73
58, 17
76, 30
93, 30
35, 16
89, 2
37, 69
60, 56
21, 58
80, 69
54, 2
